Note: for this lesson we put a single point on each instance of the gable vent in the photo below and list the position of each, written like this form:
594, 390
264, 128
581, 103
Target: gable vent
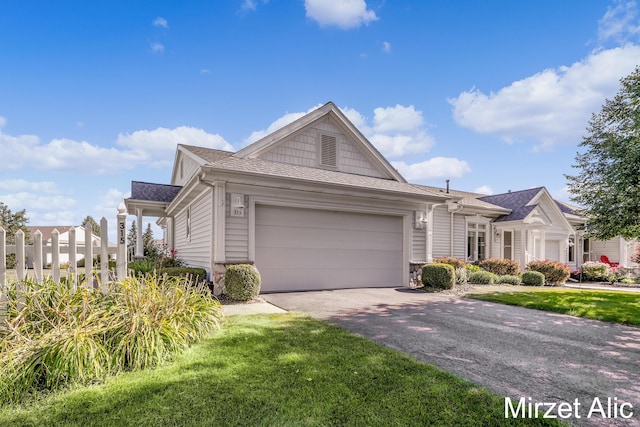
328, 148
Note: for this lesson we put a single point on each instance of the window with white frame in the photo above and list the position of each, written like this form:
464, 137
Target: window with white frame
476, 241
507, 244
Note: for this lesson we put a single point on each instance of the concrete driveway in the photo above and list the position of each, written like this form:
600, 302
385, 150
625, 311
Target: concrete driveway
512, 351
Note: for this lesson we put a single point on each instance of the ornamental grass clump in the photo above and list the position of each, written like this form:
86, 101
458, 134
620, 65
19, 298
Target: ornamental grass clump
53, 335
242, 282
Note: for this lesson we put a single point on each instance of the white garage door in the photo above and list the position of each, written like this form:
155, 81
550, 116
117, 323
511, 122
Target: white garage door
303, 249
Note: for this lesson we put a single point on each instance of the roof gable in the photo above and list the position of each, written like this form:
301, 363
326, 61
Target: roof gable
302, 143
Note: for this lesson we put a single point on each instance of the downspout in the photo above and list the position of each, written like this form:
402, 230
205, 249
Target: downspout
453, 208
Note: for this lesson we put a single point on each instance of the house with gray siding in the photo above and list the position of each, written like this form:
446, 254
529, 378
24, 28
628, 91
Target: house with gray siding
315, 205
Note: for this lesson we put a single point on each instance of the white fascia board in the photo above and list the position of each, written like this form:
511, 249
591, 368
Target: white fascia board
257, 179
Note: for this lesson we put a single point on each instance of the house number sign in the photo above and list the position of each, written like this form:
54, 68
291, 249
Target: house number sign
237, 205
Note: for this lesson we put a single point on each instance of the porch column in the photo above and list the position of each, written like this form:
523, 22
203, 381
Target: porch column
429, 232
523, 249
139, 243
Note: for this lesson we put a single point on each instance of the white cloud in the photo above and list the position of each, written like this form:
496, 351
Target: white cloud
279, 123
401, 145
434, 168
3, 122
386, 47
396, 118
344, 14
159, 145
108, 204
32, 201
397, 131
160, 22
155, 148
24, 185
484, 189
619, 23
551, 107
205, 71
156, 47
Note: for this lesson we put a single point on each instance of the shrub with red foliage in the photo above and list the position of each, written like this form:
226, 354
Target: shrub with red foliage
554, 272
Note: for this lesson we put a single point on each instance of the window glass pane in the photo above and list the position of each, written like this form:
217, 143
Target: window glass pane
481, 246
506, 236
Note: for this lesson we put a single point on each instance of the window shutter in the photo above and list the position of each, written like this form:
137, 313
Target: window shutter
328, 146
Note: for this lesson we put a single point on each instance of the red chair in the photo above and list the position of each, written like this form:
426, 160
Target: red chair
605, 259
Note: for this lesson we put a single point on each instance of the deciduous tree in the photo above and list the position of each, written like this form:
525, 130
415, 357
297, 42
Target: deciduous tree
12, 222
607, 186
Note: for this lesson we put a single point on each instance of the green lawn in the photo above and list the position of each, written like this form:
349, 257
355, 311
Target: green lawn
275, 370
619, 307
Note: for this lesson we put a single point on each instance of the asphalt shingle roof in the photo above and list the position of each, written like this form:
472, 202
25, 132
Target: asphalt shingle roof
153, 192
468, 198
226, 161
517, 201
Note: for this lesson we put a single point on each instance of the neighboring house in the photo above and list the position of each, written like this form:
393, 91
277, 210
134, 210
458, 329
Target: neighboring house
314, 205
63, 240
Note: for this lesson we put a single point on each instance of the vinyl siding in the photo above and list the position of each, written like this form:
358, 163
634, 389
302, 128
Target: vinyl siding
418, 245
302, 149
441, 232
189, 168
237, 233
196, 252
459, 237
610, 248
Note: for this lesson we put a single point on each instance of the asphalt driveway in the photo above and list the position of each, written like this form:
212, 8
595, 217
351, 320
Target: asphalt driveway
513, 351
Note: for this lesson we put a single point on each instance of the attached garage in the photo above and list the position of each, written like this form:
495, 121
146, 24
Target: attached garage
304, 249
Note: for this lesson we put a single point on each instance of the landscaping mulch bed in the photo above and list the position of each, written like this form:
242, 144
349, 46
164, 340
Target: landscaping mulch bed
227, 300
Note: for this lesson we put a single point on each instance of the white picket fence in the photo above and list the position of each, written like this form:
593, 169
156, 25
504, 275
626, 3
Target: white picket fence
39, 251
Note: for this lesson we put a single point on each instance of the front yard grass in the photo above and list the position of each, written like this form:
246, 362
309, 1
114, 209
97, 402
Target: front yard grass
275, 370
610, 306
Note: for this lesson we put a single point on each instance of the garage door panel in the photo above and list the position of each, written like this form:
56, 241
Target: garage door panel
325, 238
297, 218
302, 249
311, 259
301, 280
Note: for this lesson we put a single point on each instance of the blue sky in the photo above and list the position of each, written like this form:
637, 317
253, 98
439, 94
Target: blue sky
493, 95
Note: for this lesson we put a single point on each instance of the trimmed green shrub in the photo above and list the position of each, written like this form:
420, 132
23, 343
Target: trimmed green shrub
554, 272
482, 278
198, 275
499, 266
242, 282
532, 278
437, 275
455, 262
595, 271
508, 279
